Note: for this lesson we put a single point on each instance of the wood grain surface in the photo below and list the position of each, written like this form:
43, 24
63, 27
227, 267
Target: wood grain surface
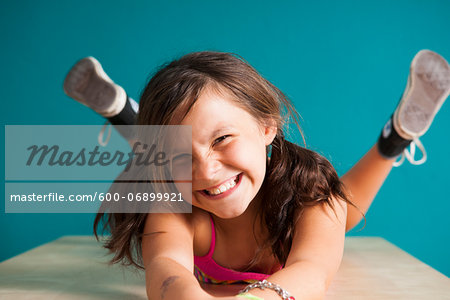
75, 267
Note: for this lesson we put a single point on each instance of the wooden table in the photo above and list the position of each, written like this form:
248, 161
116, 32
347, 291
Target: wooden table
74, 267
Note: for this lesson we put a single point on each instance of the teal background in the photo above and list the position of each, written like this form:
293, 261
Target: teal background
343, 63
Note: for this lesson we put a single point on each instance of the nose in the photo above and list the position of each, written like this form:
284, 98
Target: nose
205, 169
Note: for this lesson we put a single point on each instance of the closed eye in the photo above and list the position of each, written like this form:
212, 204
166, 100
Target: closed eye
220, 139
182, 156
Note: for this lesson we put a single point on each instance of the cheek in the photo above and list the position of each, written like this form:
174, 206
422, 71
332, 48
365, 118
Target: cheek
248, 156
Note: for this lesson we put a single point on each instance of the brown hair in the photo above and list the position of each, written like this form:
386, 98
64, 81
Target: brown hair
296, 177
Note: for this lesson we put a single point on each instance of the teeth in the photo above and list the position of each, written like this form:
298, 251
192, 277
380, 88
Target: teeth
223, 188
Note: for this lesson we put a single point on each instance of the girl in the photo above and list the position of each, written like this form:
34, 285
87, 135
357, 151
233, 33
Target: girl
265, 211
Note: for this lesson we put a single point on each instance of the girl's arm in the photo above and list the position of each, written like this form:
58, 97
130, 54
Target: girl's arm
167, 250
315, 255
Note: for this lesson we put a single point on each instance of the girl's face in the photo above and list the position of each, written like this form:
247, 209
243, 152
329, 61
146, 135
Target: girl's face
228, 154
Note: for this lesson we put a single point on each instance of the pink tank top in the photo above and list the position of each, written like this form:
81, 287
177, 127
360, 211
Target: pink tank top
207, 270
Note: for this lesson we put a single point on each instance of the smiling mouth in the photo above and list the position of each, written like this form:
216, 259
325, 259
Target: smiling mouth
223, 189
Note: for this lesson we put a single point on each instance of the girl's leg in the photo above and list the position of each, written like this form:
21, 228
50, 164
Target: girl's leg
87, 83
363, 181
428, 87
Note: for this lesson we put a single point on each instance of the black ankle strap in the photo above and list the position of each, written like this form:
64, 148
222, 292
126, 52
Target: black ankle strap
126, 117
392, 144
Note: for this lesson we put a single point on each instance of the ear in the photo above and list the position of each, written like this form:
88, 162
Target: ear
270, 131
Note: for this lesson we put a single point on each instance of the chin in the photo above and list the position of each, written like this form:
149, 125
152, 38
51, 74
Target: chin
230, 213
